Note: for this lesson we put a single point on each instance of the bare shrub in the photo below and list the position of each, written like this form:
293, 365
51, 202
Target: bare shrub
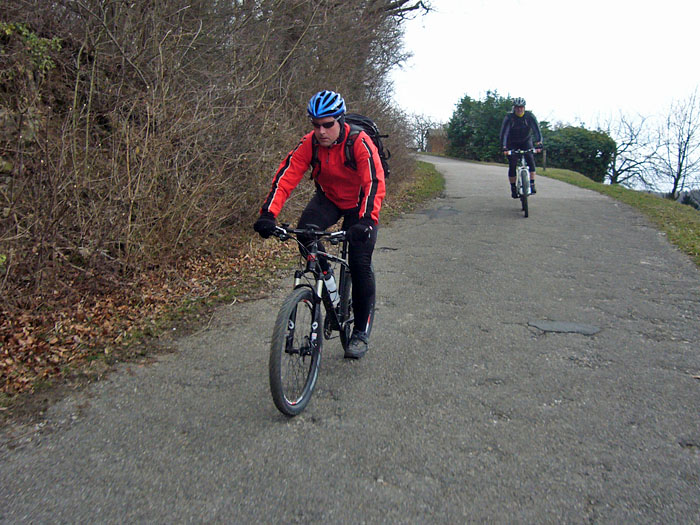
135, 132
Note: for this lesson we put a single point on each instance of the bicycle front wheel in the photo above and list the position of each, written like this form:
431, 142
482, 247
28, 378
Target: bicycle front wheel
524, 190
295, 352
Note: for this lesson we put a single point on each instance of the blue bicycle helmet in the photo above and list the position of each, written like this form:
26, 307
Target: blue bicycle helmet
326, 104
519, 102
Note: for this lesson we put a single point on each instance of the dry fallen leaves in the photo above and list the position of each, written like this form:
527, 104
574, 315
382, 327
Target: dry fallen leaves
67, 329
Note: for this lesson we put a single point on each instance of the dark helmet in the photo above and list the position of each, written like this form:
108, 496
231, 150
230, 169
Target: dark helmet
519, 101
326, 104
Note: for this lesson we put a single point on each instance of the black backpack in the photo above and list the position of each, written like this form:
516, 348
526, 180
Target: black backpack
359, 123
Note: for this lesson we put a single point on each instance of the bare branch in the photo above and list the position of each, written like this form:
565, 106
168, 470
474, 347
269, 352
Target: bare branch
676, 160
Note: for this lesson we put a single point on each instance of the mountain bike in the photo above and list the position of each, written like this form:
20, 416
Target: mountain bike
522, 177
297, 338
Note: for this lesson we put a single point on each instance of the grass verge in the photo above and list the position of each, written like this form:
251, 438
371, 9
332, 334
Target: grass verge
423, 184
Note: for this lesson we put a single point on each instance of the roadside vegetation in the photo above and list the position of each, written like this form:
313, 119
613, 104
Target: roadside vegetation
125, 326
137, 142
423, 184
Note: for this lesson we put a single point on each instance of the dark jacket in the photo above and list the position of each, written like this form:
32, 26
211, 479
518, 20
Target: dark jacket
520, 130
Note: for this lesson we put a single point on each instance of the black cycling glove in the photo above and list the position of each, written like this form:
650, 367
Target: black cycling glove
360, 232
265, 225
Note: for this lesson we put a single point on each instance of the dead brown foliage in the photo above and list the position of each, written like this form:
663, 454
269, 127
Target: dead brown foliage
137, 140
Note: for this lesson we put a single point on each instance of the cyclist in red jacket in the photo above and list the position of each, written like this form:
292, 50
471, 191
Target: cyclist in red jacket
354, 194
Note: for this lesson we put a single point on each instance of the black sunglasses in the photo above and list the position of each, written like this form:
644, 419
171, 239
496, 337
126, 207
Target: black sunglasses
327, 125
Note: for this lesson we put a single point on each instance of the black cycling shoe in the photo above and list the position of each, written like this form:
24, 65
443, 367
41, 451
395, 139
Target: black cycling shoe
514, 192
532, 187
357, 347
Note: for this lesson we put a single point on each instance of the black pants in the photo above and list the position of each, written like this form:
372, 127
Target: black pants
513, 160
323, 213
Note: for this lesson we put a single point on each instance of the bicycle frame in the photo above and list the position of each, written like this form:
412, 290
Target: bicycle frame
522, 177
300, 328
312, 275
522, 173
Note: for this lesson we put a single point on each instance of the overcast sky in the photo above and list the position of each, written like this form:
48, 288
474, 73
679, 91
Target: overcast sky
574, 62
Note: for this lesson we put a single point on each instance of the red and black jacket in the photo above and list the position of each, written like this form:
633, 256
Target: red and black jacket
346, 187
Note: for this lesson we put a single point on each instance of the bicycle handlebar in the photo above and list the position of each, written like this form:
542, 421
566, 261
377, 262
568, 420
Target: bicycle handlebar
521, 151
283, 233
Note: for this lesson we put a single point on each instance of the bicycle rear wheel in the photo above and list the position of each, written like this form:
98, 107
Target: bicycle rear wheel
346, 311
295, 352
348, 314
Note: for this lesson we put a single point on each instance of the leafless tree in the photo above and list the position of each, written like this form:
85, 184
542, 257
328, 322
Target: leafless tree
421, 125
676, 161
633, 151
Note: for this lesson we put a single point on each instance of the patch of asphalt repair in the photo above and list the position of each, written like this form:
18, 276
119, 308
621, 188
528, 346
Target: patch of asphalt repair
564, 327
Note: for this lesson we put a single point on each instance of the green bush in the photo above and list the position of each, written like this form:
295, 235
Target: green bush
581, 150
39, 49
473, 131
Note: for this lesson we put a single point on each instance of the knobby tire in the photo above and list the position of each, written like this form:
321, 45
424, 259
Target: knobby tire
295, 351
524, 180
347, 312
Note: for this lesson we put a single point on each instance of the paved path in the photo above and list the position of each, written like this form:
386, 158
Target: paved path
481, 399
